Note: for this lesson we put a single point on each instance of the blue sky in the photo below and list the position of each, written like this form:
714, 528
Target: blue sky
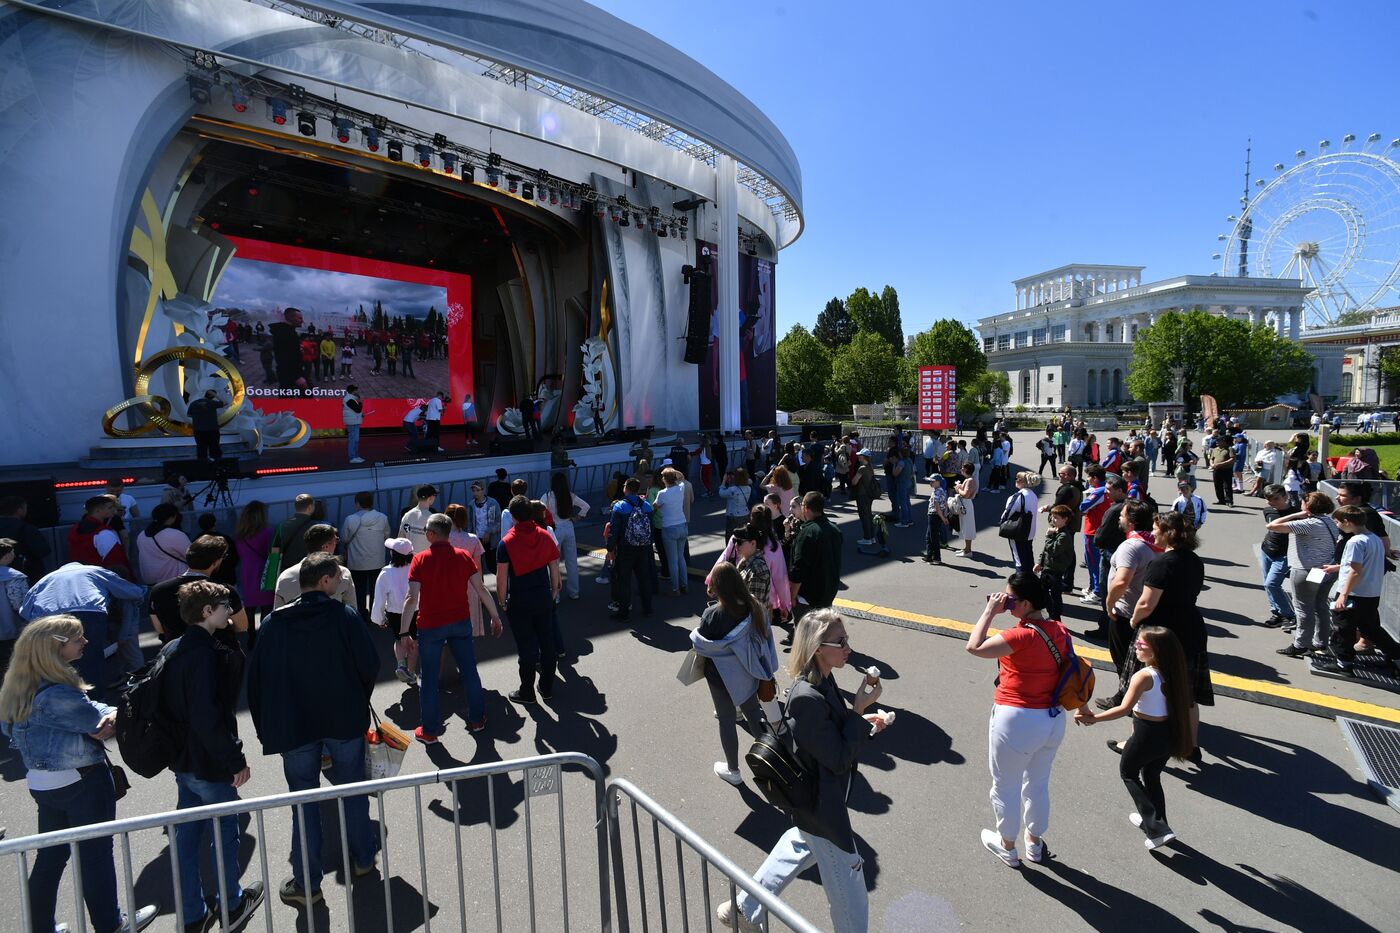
947, 149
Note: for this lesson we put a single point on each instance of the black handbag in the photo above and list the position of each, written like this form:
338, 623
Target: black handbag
1017, 526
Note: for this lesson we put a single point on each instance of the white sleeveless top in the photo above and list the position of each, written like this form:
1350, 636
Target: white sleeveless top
1153, 702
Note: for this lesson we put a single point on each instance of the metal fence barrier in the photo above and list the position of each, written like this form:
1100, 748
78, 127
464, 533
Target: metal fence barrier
542, 777
655, 904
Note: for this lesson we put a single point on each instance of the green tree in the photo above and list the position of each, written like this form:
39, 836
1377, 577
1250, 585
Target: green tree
834, 327
948, 343
1229, 359
877, 314
804, 369
1352, 317
984, 394
865, 371
1388, 366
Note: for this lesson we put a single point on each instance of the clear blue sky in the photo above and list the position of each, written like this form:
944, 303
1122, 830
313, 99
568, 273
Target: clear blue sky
947, 149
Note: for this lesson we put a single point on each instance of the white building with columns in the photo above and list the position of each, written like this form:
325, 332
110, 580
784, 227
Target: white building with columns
1357, 350
1069, 340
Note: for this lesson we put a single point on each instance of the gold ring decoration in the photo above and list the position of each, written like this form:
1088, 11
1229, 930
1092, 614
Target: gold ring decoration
144, 402
178, 354
295, 439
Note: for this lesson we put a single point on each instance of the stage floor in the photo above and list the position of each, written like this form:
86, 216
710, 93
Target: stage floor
326, 454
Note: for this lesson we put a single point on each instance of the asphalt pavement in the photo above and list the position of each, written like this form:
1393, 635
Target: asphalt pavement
1277, 830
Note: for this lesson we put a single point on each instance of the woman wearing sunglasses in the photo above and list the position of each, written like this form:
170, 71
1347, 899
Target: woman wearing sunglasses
1026, 727
59, 733
829, 736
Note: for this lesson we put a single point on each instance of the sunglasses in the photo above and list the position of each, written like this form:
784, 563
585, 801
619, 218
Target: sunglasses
843, 642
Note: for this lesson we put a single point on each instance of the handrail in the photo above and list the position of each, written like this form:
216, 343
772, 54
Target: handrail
621, 787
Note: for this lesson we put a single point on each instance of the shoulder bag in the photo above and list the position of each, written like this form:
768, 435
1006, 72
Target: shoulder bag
1016, 525
1076, 684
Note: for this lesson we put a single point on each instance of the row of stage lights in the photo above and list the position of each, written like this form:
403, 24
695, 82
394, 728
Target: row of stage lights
374, 134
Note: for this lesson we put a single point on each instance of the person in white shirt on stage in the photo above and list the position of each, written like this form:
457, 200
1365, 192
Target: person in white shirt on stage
434, 420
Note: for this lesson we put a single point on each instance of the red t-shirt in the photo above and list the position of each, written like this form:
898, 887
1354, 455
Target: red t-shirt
1029, 674
443, 574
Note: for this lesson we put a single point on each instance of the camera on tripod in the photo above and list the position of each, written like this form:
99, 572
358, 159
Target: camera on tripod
216, 475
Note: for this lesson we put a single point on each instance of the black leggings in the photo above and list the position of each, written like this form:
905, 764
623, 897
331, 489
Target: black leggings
728, 719
1144, 757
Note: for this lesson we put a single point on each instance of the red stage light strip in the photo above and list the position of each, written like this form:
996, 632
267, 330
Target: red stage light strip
272, 471
89, 483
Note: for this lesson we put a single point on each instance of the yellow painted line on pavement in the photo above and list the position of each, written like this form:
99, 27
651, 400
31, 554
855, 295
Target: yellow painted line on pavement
1250, 688
1328, 702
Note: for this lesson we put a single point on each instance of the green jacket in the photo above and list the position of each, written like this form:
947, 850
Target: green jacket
1057, 556
816, 561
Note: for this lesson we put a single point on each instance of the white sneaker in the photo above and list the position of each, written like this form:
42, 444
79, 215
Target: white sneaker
405, 675
728, 916
865, 541
1158, 842
992, 843
357, 459
1135, 819
1089, 598
1036, 851
729, 777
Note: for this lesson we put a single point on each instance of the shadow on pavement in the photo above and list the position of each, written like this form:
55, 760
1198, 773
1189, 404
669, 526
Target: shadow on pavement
1102, 906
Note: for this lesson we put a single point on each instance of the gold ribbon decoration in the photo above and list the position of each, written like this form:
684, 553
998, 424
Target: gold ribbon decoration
157, 408
109, 420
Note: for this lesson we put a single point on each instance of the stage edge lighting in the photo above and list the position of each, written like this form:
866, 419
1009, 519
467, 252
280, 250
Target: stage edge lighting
277, 110
344, 129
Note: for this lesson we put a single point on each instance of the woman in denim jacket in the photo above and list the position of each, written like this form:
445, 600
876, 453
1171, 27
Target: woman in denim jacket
59, 732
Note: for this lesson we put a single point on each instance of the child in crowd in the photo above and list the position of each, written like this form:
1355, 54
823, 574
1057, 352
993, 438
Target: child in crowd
390, 591
1057, 559
937, 515
1159, 699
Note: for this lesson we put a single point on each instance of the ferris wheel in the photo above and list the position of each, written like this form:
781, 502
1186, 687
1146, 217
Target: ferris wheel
1331, 220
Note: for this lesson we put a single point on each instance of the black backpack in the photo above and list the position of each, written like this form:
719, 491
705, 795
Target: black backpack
779, 774
148, 740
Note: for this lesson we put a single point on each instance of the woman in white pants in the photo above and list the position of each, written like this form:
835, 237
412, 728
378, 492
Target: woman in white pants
829, 737
1027, 723
566, 508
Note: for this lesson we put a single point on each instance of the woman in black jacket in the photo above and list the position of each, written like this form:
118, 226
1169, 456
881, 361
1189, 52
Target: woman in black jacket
829, 737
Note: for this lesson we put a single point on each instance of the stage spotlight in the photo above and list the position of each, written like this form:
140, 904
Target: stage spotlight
553, 195
637, 220
541, 192
527, 190
277, 109
493, 176
449, 162
625, 220
394, 150
199, 89
306, 123
440, 141
468, 173
371, 137
425, 154
513, 184
600, 210
344, 129
240, 100
616, 215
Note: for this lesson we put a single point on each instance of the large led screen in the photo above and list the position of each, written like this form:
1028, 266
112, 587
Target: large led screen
303, 324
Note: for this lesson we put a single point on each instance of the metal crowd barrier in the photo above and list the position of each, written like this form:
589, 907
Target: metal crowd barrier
655, 903
542, 778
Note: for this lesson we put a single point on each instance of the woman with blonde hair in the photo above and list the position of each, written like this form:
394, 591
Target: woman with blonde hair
1025, 502
59, 732
829, 737
737, 644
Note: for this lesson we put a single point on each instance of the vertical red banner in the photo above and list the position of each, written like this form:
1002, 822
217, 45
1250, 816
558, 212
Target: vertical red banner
938, 398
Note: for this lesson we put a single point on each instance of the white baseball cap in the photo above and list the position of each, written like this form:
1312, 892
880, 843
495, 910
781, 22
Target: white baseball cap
400, 545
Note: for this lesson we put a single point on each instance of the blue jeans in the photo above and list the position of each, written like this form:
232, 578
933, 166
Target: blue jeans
302, 768
903, 511
457, 638
352, 440
1275, 572
1091, 560
91, 800
673, 538
189, 841
842, 873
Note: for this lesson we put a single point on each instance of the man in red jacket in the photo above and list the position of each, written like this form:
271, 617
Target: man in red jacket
93, 541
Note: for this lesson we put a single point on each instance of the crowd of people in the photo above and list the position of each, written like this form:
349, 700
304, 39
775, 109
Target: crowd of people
235, 613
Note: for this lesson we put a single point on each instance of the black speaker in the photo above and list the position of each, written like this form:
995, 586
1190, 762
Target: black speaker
507, 446
40, 498
204, 470
697, 333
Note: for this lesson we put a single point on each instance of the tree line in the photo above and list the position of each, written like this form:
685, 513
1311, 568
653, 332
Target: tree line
857, 354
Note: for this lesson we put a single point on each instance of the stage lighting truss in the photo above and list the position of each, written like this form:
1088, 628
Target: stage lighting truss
532, 184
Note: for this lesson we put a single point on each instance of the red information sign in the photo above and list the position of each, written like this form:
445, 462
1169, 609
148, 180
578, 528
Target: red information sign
938, 398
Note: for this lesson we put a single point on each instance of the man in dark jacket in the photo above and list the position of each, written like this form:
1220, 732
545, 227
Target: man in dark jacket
33, 552
199, 696
303, 717
204, 423
816, 559
1070, 493
630, 555
289, 541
